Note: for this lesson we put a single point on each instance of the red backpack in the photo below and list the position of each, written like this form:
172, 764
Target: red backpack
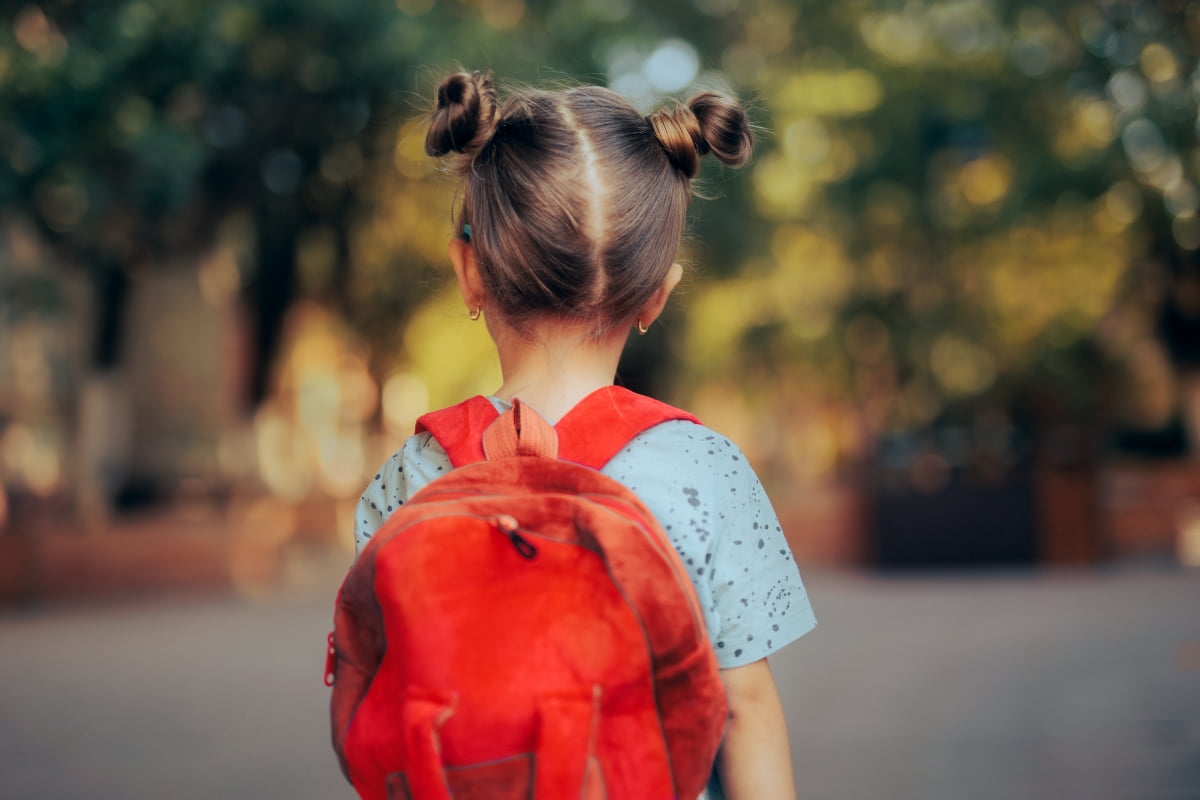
522, 626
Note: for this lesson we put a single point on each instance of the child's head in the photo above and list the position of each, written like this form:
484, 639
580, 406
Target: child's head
576, 202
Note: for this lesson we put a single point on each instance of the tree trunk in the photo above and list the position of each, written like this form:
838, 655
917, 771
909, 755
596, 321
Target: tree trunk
270, 293
104, 424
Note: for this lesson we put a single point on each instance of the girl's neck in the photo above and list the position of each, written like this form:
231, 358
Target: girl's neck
555, 367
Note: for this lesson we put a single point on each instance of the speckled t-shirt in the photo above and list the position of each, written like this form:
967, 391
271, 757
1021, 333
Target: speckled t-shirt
711, 504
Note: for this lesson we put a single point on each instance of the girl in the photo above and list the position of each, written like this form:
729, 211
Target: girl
573, 206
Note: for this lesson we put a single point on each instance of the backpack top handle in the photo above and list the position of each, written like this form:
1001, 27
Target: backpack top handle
520, 431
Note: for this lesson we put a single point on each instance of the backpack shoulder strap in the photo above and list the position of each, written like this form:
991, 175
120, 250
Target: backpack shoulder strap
459, 429
606, 420
591, 433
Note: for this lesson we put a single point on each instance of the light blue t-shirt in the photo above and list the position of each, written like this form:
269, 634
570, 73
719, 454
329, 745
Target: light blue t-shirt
704, 493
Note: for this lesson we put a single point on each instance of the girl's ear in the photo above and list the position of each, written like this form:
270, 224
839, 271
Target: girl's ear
466, 269
658, 300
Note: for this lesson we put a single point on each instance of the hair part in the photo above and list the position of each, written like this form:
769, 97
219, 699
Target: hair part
577, 203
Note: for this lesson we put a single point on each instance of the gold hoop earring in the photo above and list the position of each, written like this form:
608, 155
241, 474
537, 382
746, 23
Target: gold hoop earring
475, 313
642, 328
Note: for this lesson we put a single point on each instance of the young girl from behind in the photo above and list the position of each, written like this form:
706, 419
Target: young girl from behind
573, 208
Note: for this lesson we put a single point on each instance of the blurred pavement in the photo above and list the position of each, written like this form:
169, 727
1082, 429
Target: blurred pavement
1018, 685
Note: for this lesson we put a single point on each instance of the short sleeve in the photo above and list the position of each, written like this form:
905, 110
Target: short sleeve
759, 595
418, 462
715, 511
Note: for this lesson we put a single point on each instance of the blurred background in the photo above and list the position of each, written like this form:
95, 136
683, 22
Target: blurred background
951, 313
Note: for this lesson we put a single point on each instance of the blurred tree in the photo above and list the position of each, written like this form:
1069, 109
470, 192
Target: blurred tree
134, 129
954, 192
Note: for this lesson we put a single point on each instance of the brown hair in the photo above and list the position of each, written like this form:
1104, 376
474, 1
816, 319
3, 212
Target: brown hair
577, 202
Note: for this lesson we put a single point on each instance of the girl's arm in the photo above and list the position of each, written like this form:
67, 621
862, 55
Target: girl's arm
755, 762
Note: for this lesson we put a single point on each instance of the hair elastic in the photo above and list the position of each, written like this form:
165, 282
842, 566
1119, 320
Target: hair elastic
466, 231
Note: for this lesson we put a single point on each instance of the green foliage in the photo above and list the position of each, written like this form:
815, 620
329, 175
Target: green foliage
945, 197
132, 127
989, 169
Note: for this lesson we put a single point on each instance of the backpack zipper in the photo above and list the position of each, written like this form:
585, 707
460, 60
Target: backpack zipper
509, 526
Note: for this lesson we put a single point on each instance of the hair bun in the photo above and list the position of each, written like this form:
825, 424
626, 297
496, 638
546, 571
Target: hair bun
465, 114
710, 122
724, 126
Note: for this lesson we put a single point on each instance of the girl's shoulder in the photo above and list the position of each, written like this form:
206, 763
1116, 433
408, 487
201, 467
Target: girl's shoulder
687, 448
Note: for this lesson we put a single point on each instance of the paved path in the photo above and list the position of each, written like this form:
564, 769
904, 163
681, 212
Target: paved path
1077, 685
1036, 687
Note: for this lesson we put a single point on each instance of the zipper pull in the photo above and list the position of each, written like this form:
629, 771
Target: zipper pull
509, 526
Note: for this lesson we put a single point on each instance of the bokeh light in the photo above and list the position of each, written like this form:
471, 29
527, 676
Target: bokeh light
945, 220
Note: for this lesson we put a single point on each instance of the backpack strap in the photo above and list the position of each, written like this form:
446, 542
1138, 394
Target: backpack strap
606, 420
459, 429
591, 433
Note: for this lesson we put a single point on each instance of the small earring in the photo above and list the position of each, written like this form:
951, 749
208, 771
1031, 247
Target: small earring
475, 313
642, 328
